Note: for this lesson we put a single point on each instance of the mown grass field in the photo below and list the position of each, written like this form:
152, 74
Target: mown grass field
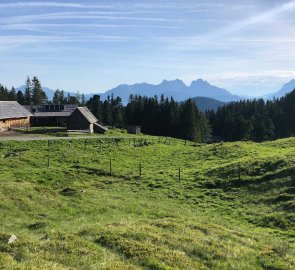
233, 207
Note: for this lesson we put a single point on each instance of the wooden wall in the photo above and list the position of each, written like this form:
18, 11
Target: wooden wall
77, 121
14, 123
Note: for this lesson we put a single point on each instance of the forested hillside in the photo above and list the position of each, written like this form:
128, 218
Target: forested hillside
255, 120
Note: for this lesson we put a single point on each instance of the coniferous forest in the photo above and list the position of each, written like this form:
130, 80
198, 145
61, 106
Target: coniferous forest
255, 120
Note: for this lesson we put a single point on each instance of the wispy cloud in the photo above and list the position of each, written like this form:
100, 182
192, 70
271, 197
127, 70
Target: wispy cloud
259, 18
153, 39
45, 26
85, 15
222, 36
51, 4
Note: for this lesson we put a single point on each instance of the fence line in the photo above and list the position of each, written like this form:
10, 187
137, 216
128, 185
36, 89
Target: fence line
70, 145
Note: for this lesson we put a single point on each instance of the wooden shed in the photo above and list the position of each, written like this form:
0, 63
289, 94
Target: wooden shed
54, 115
83, 119
134, 129
13, 115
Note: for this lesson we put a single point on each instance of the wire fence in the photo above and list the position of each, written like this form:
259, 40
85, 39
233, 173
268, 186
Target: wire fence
125, 158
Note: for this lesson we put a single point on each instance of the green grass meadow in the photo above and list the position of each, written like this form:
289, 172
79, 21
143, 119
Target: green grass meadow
194, 206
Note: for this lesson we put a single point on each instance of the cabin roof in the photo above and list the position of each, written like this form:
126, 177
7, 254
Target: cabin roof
87, 114
101, 127
13, 110
52, 114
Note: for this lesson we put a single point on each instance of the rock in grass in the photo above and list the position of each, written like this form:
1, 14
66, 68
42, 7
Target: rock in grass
69, 192
12, 239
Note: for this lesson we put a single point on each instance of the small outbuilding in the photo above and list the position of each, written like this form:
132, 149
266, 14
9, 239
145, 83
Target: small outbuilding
82, 119
134, 129
13, 115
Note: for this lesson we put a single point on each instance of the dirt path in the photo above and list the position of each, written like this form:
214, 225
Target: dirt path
28, 137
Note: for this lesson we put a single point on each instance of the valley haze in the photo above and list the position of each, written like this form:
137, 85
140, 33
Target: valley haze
176, 89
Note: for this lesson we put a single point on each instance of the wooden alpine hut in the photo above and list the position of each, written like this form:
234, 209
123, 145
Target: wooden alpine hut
82, 119
13, 115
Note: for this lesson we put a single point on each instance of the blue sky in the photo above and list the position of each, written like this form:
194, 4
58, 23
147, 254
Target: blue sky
92, 46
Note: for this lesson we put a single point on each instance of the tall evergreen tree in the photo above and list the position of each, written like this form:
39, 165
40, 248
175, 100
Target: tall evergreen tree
12, 94
38, 95
95, 106
20, 97
28, 92
57, 99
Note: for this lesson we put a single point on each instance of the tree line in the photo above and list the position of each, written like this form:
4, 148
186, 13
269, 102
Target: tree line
33, 94
164, 117
255, 120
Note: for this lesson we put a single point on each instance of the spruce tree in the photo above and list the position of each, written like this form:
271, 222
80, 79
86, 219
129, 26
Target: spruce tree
28, 92
20, 97
57, 97
38, 95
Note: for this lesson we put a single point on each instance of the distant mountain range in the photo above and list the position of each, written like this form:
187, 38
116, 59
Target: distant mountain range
207, 96
176, 89
286, 88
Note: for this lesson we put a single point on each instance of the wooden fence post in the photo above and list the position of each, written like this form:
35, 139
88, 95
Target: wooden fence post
179, 176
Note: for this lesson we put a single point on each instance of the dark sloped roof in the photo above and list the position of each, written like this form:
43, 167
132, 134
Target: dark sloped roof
101, 127
87, 114
12, 109
52, 114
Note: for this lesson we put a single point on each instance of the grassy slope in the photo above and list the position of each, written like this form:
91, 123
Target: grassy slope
211, 219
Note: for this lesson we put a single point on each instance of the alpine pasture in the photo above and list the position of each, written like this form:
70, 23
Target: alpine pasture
147, 203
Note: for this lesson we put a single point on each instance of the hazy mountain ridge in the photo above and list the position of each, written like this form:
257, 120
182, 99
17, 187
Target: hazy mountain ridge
286, 88
175, 88
205, 104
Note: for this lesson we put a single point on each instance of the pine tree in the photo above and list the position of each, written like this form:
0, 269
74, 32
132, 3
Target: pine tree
38, 95
83, 100
62, 97
95, 106
12, 94
188, 125
20, 98
28, 92
57, 97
